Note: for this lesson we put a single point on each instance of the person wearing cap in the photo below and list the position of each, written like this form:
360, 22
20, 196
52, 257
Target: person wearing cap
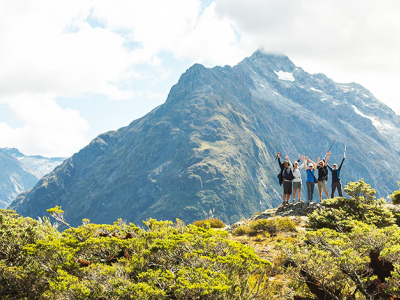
297, 182
323, 176
336, 183
287, 175
310, 181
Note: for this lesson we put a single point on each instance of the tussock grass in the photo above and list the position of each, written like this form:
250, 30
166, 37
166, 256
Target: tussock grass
212, 222
271, 226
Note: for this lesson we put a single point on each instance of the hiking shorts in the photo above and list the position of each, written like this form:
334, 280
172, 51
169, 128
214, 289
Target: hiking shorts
296, 185
322, 186
287, 187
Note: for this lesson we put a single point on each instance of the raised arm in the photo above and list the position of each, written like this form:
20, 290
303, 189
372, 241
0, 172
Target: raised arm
279, 160
327, 158
290, 164
344, 157
315, 164
298, 162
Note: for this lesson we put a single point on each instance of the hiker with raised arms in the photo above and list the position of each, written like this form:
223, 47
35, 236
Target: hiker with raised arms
297, 182
311, 179
322, 167
287, 176
336, 183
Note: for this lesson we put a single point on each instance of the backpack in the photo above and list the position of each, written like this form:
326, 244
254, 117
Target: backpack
280, 178
288, 177
325, 170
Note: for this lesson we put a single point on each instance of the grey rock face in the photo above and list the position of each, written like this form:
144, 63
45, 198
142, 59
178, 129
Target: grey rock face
211, 147
301, 209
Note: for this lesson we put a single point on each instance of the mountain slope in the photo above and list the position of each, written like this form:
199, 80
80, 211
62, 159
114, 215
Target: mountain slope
210, 148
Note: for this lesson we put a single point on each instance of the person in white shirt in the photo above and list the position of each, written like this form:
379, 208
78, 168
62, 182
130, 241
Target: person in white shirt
297, 182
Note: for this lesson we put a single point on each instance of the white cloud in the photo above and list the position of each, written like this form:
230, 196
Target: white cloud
155, 24
118, 49
39, 53
349, 41
317, 27
46, 127
78, 49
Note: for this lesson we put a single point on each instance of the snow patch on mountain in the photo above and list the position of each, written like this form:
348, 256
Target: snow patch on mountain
375, 121
345, 87
316, 90
385, 128
285, 76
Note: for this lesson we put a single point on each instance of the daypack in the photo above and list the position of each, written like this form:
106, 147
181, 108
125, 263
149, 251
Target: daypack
325, 170
281, 177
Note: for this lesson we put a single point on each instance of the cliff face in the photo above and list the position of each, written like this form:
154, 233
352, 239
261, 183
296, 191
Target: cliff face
210, 148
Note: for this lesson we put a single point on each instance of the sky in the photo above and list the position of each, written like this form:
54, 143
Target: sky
71, 70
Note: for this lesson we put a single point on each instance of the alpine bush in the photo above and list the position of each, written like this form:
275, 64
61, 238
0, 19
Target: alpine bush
122, 261
212, 223
396, 197
339, 213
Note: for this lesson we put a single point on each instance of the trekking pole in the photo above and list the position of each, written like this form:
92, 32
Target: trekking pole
345, 146
276, 157
329, 150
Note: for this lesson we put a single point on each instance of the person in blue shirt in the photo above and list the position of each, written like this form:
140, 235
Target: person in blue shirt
310, 181
336, 183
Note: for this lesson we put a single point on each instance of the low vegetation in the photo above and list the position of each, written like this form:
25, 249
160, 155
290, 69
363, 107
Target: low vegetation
123, 261
349, 250
211, 223
271, 227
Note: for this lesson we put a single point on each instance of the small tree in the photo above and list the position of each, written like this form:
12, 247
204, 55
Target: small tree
58, 214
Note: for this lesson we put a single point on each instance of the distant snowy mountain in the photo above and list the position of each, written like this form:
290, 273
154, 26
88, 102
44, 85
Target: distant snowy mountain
19, 172
37, 165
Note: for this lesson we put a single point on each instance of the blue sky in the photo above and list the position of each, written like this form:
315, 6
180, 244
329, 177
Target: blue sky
71, 70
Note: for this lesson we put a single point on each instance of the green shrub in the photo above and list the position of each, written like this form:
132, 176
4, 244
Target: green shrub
213, 223
274, 225
240, 230
334, 265
395, 210
269, 227
121, 261
340, 213
396, 197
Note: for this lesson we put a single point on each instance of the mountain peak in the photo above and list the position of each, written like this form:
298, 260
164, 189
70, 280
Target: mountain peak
14, 152
275, 62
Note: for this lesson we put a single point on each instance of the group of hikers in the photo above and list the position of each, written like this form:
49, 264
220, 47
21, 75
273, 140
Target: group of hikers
290, 177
